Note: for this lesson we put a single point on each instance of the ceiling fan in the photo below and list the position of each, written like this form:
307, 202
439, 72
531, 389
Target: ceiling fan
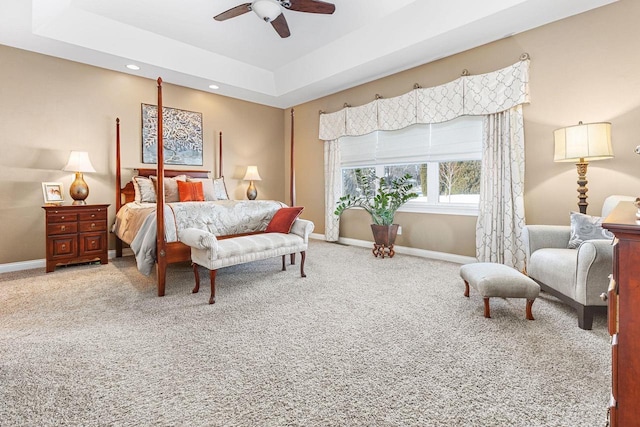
271, 11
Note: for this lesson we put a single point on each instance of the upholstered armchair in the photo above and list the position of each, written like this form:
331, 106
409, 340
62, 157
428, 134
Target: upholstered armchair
576, 276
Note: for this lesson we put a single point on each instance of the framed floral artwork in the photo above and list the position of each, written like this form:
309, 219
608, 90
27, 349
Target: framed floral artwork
182, 135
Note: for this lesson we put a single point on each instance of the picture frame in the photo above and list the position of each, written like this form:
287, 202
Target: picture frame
182, 136
53, 193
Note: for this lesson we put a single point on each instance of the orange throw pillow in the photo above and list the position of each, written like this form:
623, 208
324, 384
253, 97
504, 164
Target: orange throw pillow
190, 191
283, 220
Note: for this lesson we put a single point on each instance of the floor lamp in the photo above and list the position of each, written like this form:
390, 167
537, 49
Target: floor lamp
580, 144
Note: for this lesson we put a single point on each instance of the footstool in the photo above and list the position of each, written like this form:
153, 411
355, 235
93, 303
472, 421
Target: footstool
498, 280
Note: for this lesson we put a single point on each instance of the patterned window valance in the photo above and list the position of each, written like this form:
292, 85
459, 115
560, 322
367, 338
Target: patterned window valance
468, 95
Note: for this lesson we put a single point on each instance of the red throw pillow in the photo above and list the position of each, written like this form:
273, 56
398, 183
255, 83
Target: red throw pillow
190, 191
283, 220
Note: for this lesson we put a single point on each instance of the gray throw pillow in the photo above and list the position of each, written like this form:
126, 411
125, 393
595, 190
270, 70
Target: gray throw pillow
586, 227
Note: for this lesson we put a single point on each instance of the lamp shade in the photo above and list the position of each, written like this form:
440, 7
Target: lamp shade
252, 174
79, 162
591, 141
267, 10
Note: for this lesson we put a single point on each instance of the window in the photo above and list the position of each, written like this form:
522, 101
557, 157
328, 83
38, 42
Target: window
444, 161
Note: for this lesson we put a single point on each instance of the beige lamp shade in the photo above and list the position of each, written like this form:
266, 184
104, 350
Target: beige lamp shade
252, 174
79, 162
591, 141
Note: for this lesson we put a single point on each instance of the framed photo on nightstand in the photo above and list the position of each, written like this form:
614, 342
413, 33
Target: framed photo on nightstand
53, 193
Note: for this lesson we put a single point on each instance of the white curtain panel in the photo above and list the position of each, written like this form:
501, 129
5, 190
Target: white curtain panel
501, 214
332, 189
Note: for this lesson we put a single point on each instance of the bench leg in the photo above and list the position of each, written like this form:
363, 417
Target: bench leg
466, 289
293, 259
303, 256
284, 267
196, 288
529, 304
212, 278
487, 310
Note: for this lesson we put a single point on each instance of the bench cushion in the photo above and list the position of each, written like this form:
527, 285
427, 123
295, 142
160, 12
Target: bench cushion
239, 250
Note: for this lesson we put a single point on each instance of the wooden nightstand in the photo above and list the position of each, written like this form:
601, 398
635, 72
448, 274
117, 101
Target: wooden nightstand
76, 233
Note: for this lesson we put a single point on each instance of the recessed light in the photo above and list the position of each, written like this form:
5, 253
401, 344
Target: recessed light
214, 87
133, 67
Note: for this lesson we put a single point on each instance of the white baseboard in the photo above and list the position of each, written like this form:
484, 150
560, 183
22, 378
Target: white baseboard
442, 256
41, 263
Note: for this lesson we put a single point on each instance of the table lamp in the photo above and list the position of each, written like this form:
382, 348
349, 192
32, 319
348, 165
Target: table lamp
252, 175
79, 163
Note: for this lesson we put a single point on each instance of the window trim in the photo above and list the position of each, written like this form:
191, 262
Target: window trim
420, 206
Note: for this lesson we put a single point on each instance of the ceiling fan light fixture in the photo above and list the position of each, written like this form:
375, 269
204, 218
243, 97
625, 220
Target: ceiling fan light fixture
267, 10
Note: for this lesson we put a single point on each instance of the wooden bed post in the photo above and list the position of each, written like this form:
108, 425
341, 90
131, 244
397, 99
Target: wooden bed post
118, 185
161, 243
220, 174
292, 179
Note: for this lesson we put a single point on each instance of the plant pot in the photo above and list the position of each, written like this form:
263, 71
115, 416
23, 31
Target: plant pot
384, 237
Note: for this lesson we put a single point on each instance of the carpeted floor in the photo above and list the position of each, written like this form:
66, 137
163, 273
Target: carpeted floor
360, 342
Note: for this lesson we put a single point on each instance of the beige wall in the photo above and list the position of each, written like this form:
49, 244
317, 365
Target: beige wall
50, 106
582, 68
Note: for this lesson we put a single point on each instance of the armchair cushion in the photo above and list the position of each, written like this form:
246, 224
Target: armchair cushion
586, 227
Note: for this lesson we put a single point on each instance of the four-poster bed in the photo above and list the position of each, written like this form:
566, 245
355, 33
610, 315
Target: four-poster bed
162, 220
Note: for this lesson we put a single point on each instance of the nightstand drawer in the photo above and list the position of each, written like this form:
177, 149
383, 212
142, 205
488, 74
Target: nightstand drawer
63, 246
92, 226
62, 217
93, 215
93, 243
62, 228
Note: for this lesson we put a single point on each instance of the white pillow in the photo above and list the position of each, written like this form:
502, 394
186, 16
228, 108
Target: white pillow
144, 189
586, 227
220, 189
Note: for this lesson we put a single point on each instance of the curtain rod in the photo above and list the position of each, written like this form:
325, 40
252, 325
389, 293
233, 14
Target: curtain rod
465, 73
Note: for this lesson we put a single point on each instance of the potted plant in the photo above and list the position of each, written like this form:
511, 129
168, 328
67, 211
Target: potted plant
381, 202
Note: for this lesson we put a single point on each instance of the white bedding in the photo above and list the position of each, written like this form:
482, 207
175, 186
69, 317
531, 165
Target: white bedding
136, 222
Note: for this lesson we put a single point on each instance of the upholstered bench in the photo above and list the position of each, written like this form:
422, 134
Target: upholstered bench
498, 280
213, 253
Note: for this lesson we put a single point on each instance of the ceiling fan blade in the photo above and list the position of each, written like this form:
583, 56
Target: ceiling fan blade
311, 6
280, 25
233, 12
